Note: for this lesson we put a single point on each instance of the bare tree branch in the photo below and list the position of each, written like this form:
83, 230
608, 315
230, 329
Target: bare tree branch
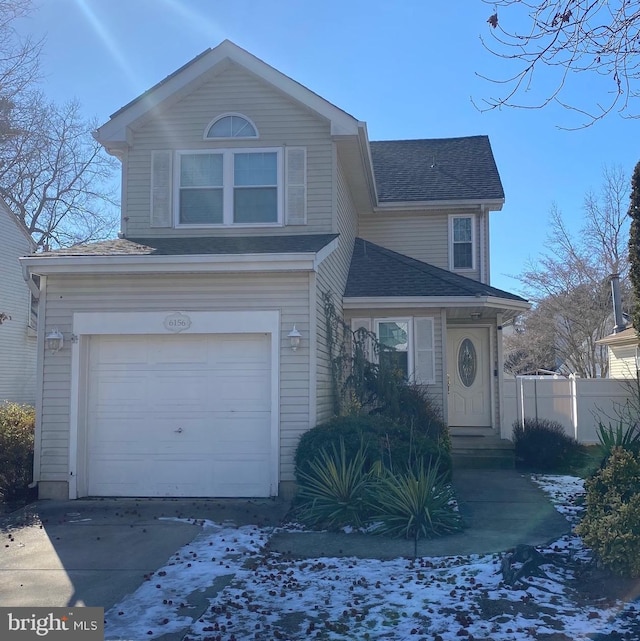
566, 37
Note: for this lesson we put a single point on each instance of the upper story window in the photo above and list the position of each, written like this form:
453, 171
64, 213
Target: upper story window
462, 242
229, 187
231, 126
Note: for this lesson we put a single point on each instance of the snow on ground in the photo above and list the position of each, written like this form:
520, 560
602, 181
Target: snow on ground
262, 595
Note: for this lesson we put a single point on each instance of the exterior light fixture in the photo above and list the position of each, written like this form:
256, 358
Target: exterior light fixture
54, 340
294, 337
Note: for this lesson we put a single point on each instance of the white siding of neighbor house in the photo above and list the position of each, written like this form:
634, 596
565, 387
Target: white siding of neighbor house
332, 277
622, 361
287, 292
422, 235
17, 343
437, 390
280, 122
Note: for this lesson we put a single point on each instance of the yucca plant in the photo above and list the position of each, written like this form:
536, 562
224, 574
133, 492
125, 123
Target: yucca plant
626, 436
335, 491
418, 503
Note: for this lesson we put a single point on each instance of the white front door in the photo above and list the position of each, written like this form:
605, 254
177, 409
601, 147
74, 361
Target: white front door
469, 377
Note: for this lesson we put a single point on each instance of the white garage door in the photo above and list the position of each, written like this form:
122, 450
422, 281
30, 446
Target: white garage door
179, 415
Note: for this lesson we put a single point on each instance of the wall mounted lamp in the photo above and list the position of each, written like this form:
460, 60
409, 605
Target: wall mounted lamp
54, 340
294, 337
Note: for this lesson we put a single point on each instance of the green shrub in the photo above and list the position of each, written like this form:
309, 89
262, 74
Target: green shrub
396, 446
543, 445
17, 424
611, 524
335, 490
624, 435
415, 504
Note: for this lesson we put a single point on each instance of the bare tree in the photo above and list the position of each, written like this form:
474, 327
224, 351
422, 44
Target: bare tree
54, 176
570, 287
567, 37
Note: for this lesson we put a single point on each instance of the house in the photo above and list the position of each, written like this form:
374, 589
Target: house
194, 352
622, 343
17, 333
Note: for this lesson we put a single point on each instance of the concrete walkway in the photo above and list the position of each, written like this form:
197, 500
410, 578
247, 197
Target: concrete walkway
93, 552
501, 509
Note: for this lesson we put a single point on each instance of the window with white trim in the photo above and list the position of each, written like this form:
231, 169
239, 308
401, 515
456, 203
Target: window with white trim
462, 242
231, 126
229, 187
394, 336
407, 345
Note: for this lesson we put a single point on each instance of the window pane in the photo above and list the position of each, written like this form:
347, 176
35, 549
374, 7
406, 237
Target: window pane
462, 230
395, 361
462, 256
201, 170
200, 206
255, 205
231, 127
394, 334
255, 169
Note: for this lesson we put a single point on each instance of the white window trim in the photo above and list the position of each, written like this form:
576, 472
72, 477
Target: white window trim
452, 268
228, 186
410, 341
226, 115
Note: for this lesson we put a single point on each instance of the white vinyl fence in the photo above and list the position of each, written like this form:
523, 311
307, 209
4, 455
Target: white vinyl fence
576, 403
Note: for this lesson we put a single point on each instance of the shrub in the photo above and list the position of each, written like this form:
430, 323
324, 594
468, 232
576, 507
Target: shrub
624, 435
415, 504
335, 490
17, 424
611, 524
542, 444
396, 446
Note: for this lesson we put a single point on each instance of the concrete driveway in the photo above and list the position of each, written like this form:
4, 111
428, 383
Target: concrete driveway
93, 552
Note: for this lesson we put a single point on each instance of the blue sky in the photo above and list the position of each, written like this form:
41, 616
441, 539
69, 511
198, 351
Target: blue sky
408, 68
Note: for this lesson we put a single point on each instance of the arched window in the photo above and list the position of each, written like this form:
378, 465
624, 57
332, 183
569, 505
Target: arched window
231, 126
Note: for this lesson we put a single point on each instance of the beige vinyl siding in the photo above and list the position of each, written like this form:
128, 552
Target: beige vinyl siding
332, 277
622, 361
288, 293
423, 235
280, 122
437, 391
17, 346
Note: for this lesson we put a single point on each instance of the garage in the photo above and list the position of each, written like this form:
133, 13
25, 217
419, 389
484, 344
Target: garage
179, 415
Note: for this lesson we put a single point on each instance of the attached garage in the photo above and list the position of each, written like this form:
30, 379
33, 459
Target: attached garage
185, 413
179, 415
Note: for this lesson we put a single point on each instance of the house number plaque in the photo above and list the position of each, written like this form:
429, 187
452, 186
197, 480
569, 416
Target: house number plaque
177, 322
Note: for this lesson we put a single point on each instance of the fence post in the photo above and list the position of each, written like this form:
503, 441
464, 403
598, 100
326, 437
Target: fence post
573, 381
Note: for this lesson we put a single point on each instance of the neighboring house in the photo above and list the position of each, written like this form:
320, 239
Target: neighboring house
18, 333
623, 353
245, 198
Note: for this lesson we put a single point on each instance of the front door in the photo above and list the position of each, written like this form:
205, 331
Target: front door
469, 377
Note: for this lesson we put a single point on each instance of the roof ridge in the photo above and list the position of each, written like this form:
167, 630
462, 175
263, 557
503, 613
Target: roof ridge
431, 139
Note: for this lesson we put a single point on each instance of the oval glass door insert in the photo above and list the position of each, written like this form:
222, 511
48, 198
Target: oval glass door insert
467, 362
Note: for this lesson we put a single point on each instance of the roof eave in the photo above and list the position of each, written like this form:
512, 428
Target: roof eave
493, 302
197, 263
488, 204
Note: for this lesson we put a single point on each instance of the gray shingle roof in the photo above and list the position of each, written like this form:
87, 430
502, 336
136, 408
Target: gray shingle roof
302, 243
436, 169
379, 272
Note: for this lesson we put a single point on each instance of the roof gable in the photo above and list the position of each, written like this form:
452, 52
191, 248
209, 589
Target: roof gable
439, 169
114, 132
379, 272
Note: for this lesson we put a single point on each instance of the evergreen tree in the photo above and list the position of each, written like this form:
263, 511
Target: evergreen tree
634, 243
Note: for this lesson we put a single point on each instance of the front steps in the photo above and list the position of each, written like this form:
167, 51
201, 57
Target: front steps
481, 450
